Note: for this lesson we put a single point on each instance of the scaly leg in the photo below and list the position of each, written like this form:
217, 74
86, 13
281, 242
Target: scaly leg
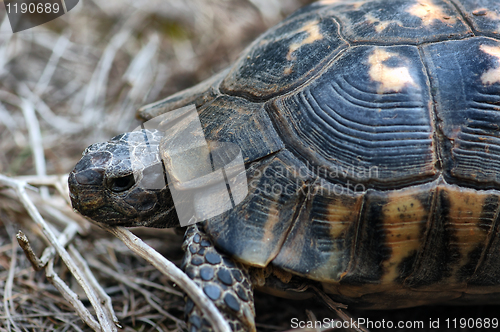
223, 280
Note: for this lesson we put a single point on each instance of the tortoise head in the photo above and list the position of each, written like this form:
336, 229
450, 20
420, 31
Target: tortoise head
122, 182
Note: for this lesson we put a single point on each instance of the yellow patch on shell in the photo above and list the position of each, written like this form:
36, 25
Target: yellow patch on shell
466, 209
428, 12
390, 79
312, 30
342, 214
404, 217
491, 76
378, 24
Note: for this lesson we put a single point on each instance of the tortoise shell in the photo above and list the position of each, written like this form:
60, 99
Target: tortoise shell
371, 136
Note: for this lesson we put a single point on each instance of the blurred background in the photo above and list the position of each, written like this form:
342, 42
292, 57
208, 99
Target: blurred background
88, 71
78, 80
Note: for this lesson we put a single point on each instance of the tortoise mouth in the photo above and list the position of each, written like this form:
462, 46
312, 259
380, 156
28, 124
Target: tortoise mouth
90, 200
105, 215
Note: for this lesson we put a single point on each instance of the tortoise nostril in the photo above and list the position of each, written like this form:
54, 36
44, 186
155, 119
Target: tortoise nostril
122, 183
90, 176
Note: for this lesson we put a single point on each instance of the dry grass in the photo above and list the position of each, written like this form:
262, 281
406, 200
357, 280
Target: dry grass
75, 81
78, 80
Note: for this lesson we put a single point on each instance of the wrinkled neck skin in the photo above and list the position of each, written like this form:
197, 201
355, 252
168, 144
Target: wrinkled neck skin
122, 182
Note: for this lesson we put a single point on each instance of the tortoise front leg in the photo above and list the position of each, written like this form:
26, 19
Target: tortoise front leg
223, 280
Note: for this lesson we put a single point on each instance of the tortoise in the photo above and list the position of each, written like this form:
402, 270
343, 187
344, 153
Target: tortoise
370, 135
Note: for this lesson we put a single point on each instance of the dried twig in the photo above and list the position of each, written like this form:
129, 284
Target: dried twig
94, 97
127, 280
147, 295
174, 274
7, 295
105, 299
35, 140
60, 182
51, 66
337, 308
49, 252
71, 297
19, 187
24, 243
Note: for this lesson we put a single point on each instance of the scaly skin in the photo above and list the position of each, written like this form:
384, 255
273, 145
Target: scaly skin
226, 282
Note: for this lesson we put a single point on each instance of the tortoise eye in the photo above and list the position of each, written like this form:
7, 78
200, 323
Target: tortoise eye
122, 183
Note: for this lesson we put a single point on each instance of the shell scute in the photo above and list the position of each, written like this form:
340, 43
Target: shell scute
320, 243
401, 22
275, 191
468, 108
358, 114
284, 57
484, 15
